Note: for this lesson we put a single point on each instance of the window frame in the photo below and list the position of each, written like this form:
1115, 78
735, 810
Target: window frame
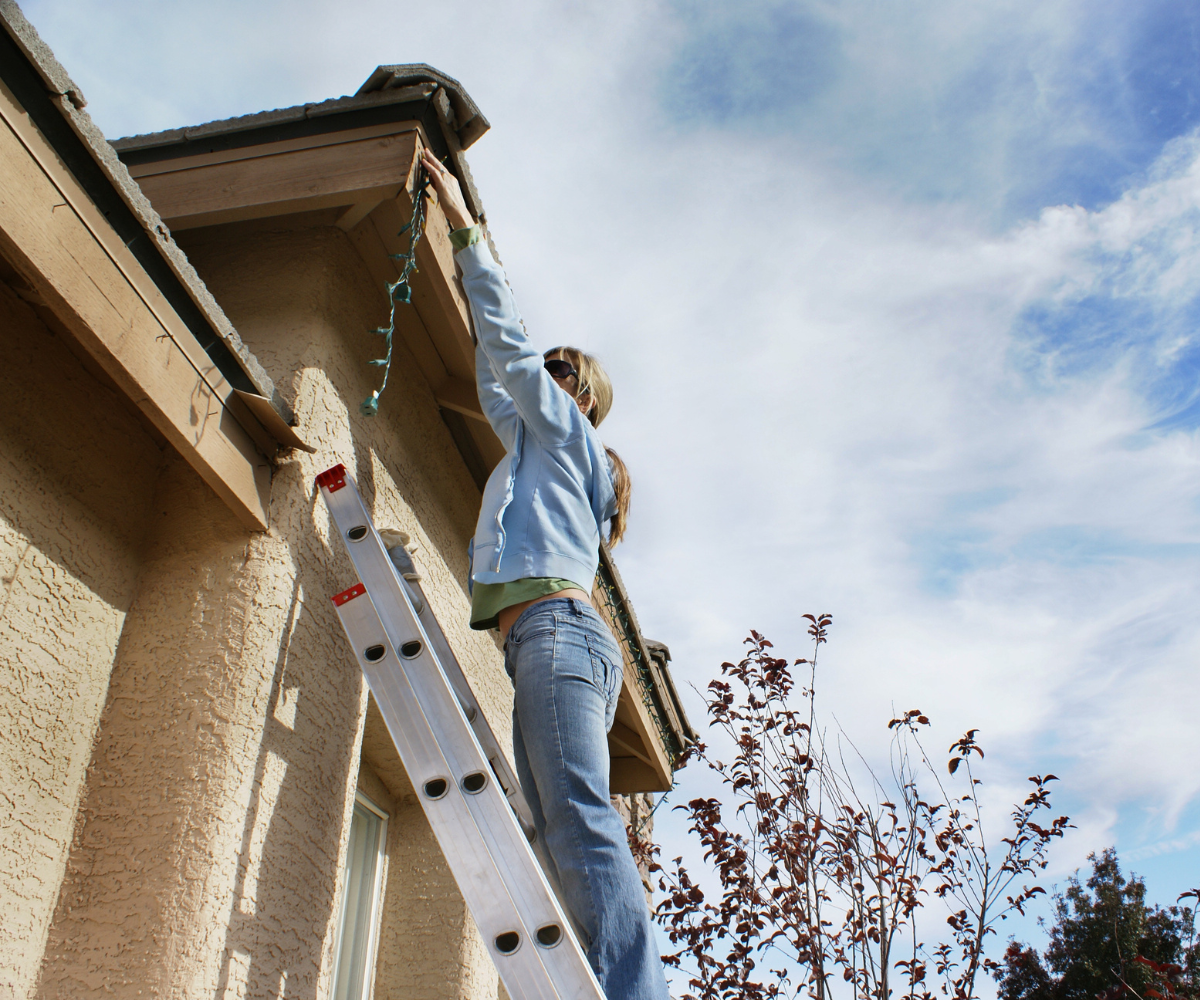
376, 906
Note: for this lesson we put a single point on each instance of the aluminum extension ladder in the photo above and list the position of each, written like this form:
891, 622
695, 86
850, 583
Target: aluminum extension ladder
462, 777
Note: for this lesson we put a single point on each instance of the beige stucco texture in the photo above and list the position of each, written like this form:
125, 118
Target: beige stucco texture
78, 471
212, 823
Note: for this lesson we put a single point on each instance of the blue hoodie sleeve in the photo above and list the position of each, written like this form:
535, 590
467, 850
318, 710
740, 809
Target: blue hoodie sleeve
497, 404
513, 364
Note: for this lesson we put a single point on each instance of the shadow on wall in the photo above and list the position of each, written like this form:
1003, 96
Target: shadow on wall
283, 917
284, 913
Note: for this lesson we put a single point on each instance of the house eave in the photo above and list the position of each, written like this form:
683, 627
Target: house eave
55, 105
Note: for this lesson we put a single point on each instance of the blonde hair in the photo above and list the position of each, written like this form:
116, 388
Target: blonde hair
622, 486
594, 381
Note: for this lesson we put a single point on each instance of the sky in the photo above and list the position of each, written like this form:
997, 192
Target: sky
900, 302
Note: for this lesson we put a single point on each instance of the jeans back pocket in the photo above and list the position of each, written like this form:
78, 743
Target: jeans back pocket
606, 670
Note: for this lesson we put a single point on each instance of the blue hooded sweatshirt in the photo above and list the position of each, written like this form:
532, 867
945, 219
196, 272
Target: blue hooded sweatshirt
543, 505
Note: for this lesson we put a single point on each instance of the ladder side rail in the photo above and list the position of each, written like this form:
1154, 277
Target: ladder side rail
466, 698
494, 819
481, 883
483, 732
526, 877
377, 571
418, 601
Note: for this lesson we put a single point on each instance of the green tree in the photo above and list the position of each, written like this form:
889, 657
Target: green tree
1105, 942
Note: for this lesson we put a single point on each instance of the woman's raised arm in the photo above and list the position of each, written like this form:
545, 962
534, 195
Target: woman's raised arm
515, 367
450, 197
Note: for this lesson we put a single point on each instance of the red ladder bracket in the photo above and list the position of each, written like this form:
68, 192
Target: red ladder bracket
333, 479
348, 595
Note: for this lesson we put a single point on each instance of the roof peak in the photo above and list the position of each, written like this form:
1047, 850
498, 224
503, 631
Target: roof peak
387, 85
469, 122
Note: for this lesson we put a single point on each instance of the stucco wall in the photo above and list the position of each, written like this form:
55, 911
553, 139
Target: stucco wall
78, 470
217, 803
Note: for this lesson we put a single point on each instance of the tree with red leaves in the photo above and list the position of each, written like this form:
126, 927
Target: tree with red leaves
822, 882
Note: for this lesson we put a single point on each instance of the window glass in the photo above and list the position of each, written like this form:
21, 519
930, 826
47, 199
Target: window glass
360, 902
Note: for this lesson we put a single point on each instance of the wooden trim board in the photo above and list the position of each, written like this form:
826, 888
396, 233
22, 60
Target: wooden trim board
63, 246
637, 758
271, 182
171, 165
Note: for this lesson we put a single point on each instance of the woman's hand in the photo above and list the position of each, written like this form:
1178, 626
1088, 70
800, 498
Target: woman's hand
448, 192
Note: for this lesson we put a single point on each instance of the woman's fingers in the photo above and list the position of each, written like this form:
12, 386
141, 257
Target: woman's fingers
437, 171
448, 190
443, 180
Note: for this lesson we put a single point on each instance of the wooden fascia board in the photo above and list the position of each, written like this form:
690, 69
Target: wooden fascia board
64, 247
278, 182
151, 168
639, 759
45, 94
664, 689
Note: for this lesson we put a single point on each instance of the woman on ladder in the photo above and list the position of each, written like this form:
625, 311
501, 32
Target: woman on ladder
534, 557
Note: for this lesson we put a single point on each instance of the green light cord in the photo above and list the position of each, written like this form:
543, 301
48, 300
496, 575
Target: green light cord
645, 681
399, 290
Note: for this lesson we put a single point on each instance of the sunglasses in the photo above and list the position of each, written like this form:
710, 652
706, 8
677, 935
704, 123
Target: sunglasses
561, 369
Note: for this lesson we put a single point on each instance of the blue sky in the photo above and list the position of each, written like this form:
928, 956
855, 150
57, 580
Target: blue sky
900, 301
1004, 104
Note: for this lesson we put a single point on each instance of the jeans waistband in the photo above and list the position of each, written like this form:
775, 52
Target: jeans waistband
585, 617
571, 605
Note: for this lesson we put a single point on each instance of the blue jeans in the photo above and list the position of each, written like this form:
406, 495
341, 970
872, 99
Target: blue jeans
566, 669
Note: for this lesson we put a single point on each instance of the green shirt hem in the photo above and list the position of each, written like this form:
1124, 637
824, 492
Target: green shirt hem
489, 599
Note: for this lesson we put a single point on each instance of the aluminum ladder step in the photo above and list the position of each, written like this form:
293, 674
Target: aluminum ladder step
462, 778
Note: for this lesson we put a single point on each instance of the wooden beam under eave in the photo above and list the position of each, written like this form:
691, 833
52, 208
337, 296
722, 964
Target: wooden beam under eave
443, 316
450, 391
368, 241
437, 292
636, 722
638, 758
435, 258
629, 775
53, 235
460, 395
278, 183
